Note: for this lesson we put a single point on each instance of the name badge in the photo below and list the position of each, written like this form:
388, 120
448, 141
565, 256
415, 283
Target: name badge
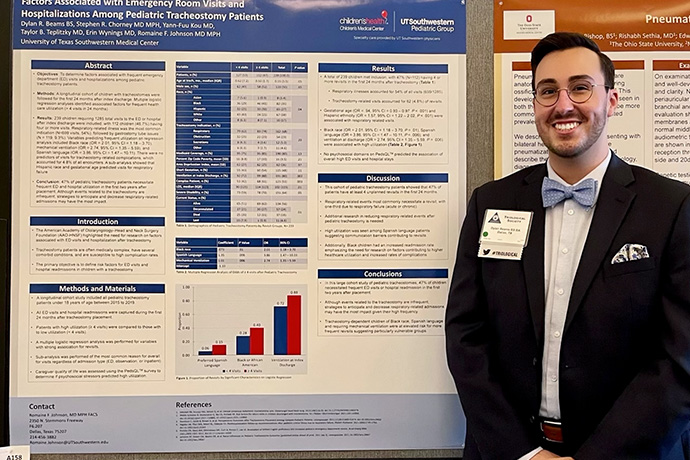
504, 234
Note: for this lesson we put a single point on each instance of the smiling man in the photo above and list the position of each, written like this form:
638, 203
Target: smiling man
579, 347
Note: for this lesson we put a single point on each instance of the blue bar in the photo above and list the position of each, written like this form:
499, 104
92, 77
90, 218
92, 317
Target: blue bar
212, 179
90, 288
206, 102
382, 178
242, 345
196, 242
271, 242
191, 266
191, 219
249, 242
98, 221
205, 353
294, 242
384, 68
280, 330
203, 66
207, 258
384, 273
97, 65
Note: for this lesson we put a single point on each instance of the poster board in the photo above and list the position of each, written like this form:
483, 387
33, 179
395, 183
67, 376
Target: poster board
649, 44
234, 224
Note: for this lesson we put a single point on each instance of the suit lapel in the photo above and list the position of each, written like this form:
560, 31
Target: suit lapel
533, 254
612, 206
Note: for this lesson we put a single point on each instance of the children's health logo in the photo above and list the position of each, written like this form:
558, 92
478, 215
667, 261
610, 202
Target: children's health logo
375, 21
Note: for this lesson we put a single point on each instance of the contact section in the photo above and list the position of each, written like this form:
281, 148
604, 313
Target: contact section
188, 423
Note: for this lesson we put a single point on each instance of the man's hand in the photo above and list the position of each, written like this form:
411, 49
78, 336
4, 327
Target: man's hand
544, 455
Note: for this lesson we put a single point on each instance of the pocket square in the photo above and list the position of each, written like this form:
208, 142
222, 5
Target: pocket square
630, 252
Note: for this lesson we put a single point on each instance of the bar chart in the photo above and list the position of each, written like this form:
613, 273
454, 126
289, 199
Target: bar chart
240, 329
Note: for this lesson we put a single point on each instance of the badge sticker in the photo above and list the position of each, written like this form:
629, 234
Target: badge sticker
504, 234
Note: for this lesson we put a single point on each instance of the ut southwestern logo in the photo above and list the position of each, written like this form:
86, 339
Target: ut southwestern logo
369, 24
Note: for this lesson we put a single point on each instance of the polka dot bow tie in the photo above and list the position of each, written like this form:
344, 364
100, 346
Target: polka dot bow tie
553, 192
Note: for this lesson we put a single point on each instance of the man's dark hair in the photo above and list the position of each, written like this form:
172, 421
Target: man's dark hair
565, 40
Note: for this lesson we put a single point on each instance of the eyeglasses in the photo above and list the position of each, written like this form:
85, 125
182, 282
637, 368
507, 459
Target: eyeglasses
579, 92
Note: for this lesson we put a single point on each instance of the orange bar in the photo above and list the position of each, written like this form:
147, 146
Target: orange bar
619, 65
615, 25
671, 65
628, 65
522, 66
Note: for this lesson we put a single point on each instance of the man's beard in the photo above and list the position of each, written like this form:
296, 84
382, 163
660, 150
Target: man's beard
566, 149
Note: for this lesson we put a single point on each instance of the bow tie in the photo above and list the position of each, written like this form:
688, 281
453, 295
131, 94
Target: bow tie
553, 192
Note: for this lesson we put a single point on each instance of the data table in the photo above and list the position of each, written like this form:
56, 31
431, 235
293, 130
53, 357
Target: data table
241, 142
240, 253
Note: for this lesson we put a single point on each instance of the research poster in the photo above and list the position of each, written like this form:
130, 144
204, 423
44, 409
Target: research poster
234, 224
649, 43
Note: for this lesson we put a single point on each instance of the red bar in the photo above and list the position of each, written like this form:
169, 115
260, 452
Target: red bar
256, 340
294, 324
218, 350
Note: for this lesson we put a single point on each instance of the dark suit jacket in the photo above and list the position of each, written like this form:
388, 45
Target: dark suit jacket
625, 354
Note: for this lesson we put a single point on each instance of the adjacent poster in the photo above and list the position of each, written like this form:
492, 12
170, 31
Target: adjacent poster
650, 45
234, 223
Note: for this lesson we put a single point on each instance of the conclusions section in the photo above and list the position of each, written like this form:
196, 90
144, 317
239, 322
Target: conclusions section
382, 301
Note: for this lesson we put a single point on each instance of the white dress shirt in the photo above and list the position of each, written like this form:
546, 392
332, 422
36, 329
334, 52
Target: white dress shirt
565, 232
